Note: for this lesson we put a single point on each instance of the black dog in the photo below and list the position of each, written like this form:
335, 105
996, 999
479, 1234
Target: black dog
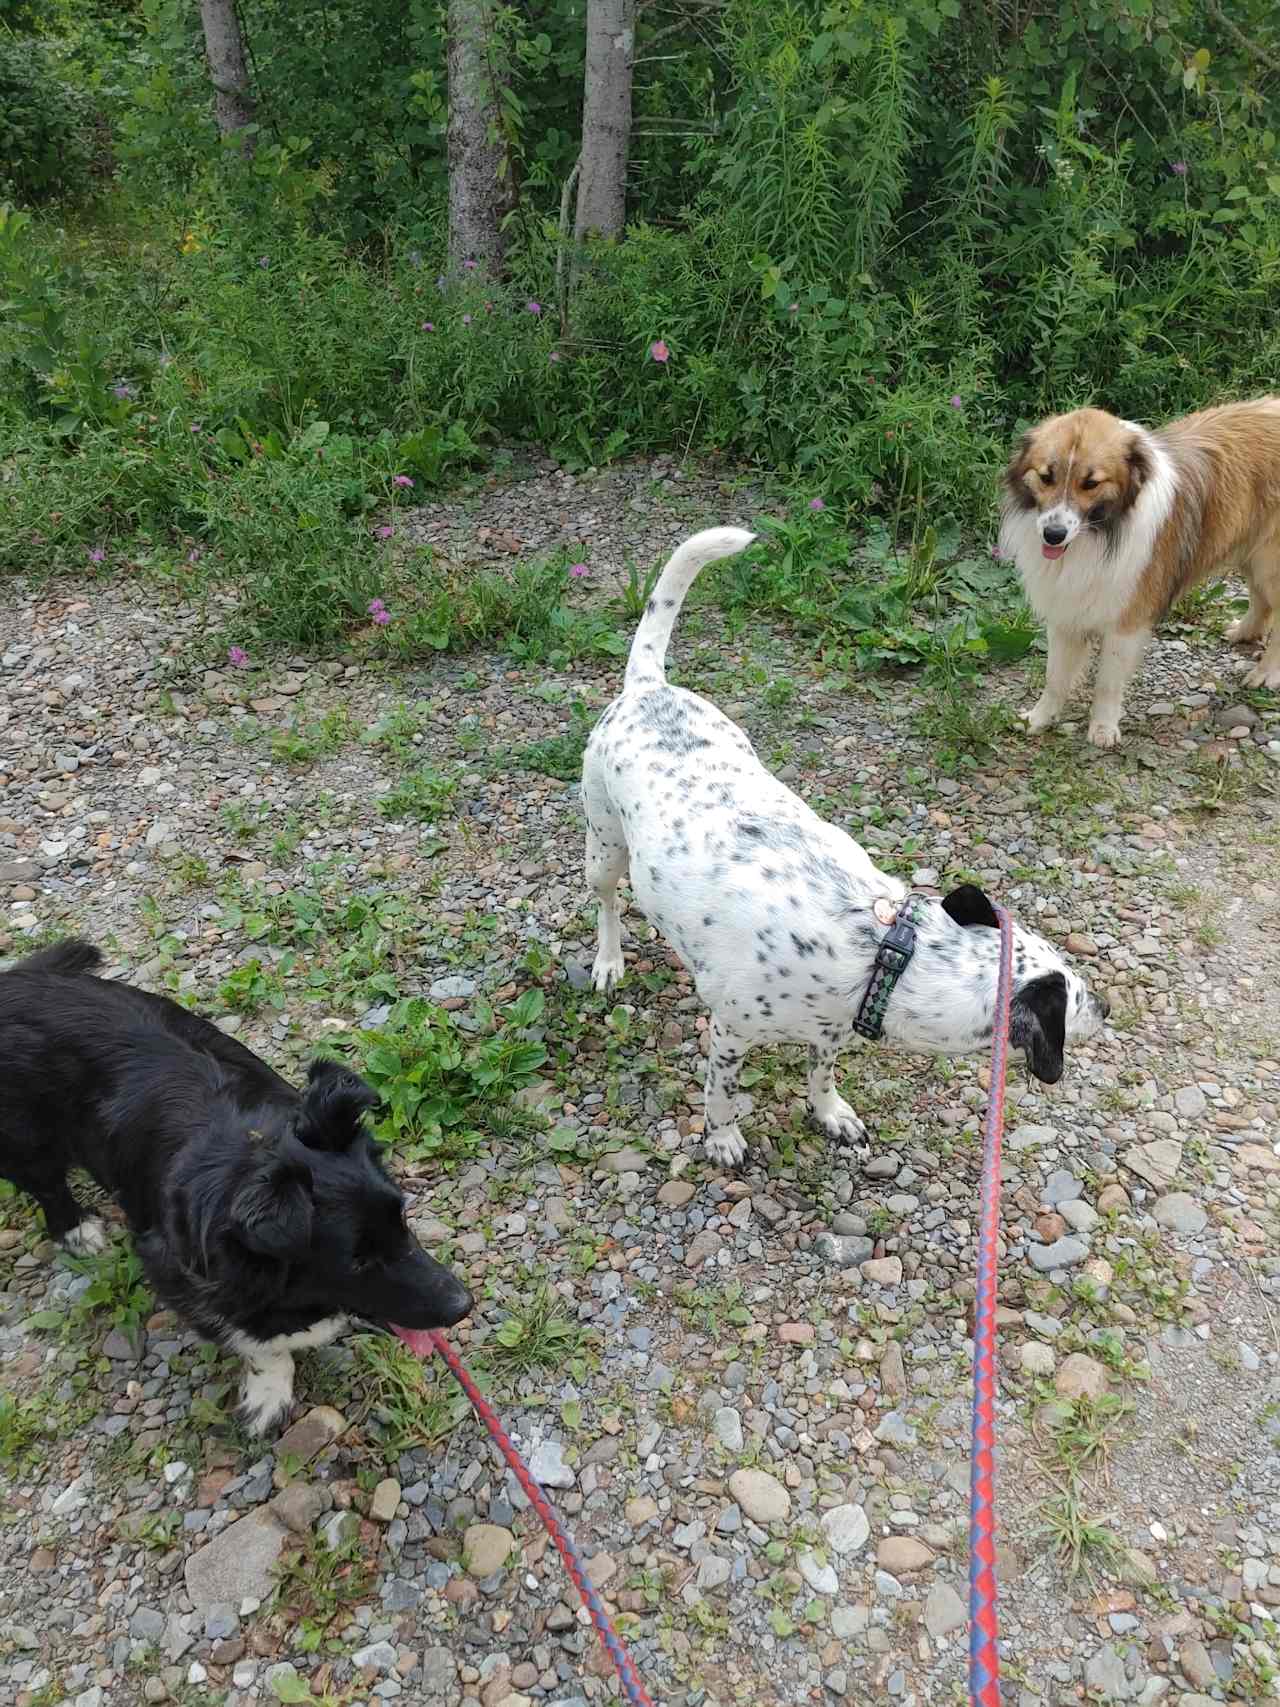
262, 1216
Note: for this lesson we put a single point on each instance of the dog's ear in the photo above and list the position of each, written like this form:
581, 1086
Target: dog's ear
271, 1211
1038, 1024
967, 905
1138, 461
1017, 467
334, 1105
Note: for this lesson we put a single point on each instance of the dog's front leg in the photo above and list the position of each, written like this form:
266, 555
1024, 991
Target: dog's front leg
1068, 653
725, 1143
266, 1396
828, 1110
1118, 663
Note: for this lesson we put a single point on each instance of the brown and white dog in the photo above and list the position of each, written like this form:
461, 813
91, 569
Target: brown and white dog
1110, 524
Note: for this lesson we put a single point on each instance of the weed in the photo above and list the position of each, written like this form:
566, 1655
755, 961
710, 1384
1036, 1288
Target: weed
558, 755
541, 1334
423, 795
315, 1583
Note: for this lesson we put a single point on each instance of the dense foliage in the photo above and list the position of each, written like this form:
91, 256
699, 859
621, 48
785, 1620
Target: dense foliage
866, 241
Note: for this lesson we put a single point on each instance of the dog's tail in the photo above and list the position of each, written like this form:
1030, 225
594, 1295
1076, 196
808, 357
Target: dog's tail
648, 659
68, 958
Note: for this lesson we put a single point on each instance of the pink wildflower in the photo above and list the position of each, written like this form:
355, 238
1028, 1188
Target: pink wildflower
381, 617
97, 555
957, 402
817, 503
384, 532
578, 570
428, 325
659, 351
402, 480
1179, 168
533, 307
237, 657
554, 356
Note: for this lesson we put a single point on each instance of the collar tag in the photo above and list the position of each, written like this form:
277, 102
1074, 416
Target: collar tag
886, 911
893, 956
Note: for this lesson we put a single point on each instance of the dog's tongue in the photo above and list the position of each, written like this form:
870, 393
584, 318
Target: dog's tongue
418, 1340
1053, 550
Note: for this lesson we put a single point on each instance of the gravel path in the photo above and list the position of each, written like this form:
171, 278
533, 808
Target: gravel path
749, 1393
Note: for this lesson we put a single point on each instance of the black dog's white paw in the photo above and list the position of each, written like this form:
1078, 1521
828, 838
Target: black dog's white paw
266, 1401
88, 1238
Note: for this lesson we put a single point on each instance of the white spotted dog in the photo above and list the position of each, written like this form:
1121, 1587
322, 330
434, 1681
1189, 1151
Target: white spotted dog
779, 915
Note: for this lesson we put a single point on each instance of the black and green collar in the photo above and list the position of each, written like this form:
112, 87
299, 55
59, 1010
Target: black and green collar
893, 956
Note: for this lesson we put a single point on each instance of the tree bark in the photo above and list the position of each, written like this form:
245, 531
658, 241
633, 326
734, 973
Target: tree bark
234, 104
481, 187
606, 119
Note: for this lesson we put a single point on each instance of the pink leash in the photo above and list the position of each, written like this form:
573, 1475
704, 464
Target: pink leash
421, 1344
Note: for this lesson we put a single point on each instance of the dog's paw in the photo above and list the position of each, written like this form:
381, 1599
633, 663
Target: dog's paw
1103, 734
726, 1146
89, 1238
1263, 675
837, 1120
1035, 719
1244, 629
606, 972
266, 1401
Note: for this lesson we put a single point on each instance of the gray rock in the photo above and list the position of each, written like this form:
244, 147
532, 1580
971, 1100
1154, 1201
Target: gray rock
1105, 1674
440, 1684
728, 1427
1060, 1187
843, 1250
714, 1571
820, 1577
1080, 1216
1157, 1162
1029, 1136
944, 1611
380, 1655
1190, 1102
453, 988
237, 1564
846, 1529
1180, 1213
548, 1467
1062, 1253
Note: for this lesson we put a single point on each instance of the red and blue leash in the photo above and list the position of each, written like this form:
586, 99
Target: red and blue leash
984, 1651
984, 1656
613, 1644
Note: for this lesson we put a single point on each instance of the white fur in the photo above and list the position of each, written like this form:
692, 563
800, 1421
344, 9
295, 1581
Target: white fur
1083, 595
266, 1395
88, 1238
768, 905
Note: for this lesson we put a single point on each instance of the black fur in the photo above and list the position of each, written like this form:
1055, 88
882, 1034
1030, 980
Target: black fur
1038, 1024
258, 1211
967, 905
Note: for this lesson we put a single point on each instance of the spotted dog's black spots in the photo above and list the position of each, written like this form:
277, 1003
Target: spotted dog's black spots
708, 921
803, 949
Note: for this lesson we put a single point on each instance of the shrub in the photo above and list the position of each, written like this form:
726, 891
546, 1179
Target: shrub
45, 139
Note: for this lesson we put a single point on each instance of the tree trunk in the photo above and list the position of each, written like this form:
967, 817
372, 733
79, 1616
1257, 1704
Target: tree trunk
481, 189
228, 71
606, 119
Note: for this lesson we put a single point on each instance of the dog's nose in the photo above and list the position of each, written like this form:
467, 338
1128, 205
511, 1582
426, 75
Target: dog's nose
456, 1308
1054, 534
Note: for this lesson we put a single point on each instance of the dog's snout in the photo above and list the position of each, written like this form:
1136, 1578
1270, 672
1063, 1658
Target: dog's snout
456, 1307
1053, 533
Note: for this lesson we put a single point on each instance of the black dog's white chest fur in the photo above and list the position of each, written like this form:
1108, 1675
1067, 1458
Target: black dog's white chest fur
769, 905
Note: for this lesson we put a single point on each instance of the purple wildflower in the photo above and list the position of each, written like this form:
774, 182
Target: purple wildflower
384, 532
470, 266
957, 402
97, 555
466, 320
578, 570
1179, 168
428, 325
402, 480
532, 307
381, 617
817, 503
237, 657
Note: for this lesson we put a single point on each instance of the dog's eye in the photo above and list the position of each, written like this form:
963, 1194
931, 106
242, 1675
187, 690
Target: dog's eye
1088, 484
1045, 474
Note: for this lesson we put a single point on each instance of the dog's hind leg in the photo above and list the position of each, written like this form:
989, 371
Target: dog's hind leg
1263, 613
606, 867
828, 1110
67, 1220
724, 1142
